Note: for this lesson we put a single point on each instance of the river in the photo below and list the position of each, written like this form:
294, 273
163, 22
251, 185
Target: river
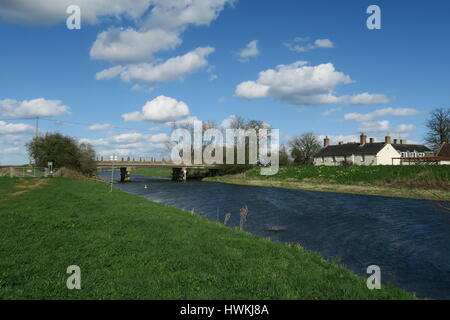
408, 239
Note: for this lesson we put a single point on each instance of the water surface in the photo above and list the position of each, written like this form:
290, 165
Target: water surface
408, 239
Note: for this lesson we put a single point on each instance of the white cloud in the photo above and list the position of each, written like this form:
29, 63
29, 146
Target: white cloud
15, 128
12, 150
250, 51
303, 85
172, 69
404, 128
186, 122
48, 12
330, 111
178, 14
397, 112
129, 144
367, 99
226, 123
319, 43
129, 45
100, 127
160, 109
374, 126
32, 108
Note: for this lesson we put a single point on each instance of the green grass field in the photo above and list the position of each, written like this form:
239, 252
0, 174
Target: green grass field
421, 175
418, 182
130, 248
154, 172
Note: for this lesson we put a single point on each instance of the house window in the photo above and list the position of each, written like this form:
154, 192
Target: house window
363, 158
323, 159
403, 154
334, 159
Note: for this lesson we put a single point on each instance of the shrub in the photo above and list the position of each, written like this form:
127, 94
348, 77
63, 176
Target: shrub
63, 151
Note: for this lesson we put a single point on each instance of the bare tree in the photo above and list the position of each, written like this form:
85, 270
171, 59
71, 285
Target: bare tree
438, 128
304, 147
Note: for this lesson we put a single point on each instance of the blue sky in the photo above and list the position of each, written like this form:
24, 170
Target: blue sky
182, 61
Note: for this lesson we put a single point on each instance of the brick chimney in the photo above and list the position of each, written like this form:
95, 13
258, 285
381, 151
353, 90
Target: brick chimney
326, 142
402, 141
395, 141
341, 142
387, 139
372, 140
363, 139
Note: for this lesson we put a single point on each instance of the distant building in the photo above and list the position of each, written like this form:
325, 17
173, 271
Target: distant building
443, 154
369, 153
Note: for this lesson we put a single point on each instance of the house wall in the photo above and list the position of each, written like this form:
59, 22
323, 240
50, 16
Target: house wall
369, 160
384, 157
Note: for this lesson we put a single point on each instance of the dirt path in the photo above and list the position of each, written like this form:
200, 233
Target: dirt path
27, 185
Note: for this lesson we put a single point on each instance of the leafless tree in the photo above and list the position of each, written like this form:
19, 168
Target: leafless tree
438, 128
304, 147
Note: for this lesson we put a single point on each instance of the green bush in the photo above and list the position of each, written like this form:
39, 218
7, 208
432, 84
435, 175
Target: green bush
63, 151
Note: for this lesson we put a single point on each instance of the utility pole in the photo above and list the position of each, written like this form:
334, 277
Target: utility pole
37, 127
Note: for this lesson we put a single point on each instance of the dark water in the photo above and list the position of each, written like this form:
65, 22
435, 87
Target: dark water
408, 239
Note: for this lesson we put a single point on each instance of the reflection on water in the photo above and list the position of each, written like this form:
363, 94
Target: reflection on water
408, 239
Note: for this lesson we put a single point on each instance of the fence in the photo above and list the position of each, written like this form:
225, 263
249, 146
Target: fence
25, 172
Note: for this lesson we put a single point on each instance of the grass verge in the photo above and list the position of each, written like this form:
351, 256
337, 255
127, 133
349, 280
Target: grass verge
130, 248
418, 182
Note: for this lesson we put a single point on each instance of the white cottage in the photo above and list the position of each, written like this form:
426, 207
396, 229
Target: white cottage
368, 153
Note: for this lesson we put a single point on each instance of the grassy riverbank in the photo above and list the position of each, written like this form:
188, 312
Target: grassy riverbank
130, 248
419, 182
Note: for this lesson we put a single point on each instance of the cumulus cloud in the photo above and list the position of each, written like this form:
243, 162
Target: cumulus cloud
129, 144
374, 126
304, 85
397, 112
299, 45
178, 14
181, 123
156, 25
404, 128
250, 51
369, 122
48, 12
129, 45
14, 128
32, 108
172, 69
160, 109
100, 127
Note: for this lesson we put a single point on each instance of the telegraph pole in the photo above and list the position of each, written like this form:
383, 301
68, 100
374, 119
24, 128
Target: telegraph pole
37, 127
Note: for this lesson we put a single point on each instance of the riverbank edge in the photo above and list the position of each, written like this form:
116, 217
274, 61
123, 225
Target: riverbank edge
396, 292
434, 195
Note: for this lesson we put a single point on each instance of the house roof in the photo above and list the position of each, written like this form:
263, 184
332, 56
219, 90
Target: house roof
444, 150
350, 148
366, 149
410, 147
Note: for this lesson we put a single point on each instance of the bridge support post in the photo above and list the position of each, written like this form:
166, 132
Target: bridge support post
179, 174
125, 174
213, 172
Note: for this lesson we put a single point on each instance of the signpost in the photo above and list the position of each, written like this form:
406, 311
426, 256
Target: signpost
113, 158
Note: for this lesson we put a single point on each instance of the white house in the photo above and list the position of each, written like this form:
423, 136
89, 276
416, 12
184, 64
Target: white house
368, 153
